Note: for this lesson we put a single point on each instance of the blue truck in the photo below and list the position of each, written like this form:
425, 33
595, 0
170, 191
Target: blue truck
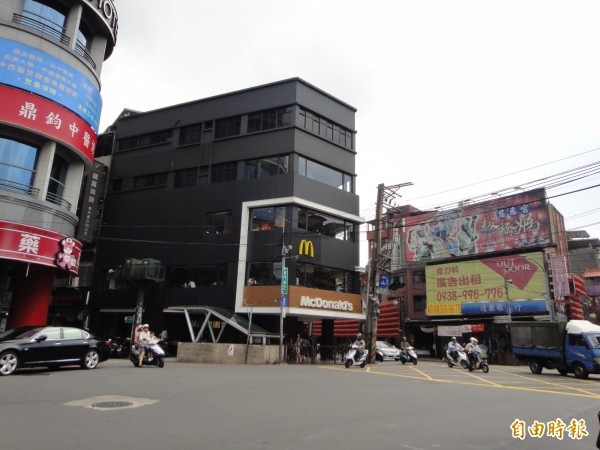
569, 347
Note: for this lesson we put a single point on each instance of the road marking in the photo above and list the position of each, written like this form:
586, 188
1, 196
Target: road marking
483, 382
554, 384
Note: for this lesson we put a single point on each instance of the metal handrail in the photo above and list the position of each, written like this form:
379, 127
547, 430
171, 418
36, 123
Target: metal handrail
13, 186
57, 200
42, 27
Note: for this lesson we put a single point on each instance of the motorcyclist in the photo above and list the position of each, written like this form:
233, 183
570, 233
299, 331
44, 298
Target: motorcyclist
404, 346
360, 346
473, 352
454, 347
143, 340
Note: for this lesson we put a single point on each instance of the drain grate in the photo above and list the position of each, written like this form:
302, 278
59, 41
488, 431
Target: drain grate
112, 404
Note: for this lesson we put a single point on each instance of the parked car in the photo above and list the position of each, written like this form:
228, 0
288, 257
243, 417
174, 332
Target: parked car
386, 351
51, 347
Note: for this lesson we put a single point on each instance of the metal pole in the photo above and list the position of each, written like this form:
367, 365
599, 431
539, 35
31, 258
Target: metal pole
283, 292
372, 302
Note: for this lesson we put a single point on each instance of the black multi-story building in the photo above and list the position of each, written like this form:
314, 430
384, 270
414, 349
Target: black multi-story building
227, 194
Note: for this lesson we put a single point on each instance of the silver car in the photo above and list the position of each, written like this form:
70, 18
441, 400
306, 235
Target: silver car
386, 351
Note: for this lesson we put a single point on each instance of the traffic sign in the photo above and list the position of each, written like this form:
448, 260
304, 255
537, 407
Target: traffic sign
128, 319
284, 280
284, 301
384, 281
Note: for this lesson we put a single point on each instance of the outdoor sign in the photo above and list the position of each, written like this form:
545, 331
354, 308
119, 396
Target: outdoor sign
484, 283
38, 246
560, 276
284, 280
518, 221
305, 301
29, 111
32, 70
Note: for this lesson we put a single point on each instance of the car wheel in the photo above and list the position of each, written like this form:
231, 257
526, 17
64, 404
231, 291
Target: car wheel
90, 360
580, 371
9, 361
535, 366
563, 372
379, 357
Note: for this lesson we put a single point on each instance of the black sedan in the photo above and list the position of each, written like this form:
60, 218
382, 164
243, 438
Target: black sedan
50, 347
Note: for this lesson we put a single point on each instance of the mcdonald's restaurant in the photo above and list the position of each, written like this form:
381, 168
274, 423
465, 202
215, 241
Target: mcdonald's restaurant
240, 236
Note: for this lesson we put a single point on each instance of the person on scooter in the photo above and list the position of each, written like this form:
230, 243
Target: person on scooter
454, 347
143, 341
404, 346
473, 351
360, 346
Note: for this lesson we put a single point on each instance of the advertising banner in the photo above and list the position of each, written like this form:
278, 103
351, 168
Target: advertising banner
491, 283
38, 246
518, 221
35, 71
40, 115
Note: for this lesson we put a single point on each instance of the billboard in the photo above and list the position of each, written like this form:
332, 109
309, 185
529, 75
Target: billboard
34, 71
508, 223
487, 286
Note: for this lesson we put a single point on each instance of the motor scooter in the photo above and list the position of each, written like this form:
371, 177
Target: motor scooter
153, 356
481, 364
462, 360
408, 354
351, 355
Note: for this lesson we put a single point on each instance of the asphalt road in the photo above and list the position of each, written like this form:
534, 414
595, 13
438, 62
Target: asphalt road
383, 406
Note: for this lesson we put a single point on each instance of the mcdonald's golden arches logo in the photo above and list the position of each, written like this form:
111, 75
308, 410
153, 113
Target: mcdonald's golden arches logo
306, 248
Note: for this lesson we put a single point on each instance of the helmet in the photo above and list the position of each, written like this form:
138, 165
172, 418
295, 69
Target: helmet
473, 340
404, 338
453, 338
145, 326
359, 336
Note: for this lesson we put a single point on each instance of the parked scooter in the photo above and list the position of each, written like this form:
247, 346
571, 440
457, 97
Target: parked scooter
462, 360
153, 356
408, 355
351, 357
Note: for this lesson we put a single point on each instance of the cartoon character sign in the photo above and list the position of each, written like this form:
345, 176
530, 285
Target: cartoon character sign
65, 258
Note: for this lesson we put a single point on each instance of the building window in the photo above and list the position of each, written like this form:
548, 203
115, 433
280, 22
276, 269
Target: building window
228, 127
327, 278
17, 166
220, 173
319, 223
266, 167
418, 276
58, 177
190, 134
46, 17
265, 219
319, 172
419, 303
146, 140
185, 177
219, 222
270, 119
115, 185
209, 275
152, 180
328, 130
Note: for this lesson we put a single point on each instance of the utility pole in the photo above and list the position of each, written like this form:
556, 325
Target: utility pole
385, 196
372, 297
